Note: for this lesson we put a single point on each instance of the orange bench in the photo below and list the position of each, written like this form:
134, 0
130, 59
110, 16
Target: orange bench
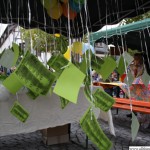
137, 105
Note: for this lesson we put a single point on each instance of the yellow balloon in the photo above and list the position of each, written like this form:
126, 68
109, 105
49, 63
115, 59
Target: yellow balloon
49, 3
55, 12
67, 55
77, 47
57, 35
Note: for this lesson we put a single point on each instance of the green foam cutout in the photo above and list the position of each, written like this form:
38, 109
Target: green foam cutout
2, 77
103, 100
88, 94
12, 83
94, 132
134, 126
96, 63
16, 53
69, 83
64, 102
107, 67
129, 79
83, 67
19, 112
121, 65
32, 95
127, 57
7, 58
145, 78
87, 57
34, 75
57, 62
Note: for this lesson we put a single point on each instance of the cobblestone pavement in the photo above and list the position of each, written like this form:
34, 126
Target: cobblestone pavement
122, 140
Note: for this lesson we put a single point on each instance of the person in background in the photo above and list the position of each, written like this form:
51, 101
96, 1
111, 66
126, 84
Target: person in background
137, 67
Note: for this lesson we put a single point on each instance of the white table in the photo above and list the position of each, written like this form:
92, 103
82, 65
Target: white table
45, 112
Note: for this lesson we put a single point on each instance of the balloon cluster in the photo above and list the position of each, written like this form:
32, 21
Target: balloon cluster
57, 8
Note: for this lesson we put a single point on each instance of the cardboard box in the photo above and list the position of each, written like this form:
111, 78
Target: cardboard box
56, 139
56, 135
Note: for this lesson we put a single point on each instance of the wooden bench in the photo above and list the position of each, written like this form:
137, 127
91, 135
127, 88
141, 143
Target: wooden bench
137, 105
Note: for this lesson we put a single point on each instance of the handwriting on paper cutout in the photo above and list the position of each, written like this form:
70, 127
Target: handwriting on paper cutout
103, 100
19, 112
94, 132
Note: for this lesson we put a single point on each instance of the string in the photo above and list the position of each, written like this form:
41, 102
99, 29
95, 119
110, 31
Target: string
69, 32
89, 60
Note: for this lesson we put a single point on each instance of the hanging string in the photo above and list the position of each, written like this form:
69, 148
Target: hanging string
89, 59
69, 32
128, 88
147, 54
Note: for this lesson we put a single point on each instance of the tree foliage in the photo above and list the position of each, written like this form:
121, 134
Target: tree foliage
42, 41
138, 18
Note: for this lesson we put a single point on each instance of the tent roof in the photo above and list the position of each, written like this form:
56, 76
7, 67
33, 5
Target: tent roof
135, 36
98, 14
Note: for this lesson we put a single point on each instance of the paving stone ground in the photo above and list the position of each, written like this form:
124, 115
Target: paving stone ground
122, 140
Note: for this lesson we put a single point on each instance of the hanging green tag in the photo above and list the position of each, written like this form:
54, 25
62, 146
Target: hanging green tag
121, 65
107, 67
12, 83
94, 132
145, 78
64, 102
83, 67
32, 95
34, 75
127, 57
69, 83
87, 57
96, 63
134, 126
19, 112
88, 93
57, 62
129, 79
16, 53
103, 100
7, 58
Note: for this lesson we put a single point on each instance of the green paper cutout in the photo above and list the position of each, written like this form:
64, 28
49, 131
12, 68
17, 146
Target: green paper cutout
33, 74
94, 132
2, 77
64, 102
127, 57
107, 67
130, 79
69, 82
88, 94
96, 63
83, 66
16, 53
19, 112
12, 83
103, 100
57, 62
87, 58
121, 65
145, 78
134, 126
32, 95
7, 58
